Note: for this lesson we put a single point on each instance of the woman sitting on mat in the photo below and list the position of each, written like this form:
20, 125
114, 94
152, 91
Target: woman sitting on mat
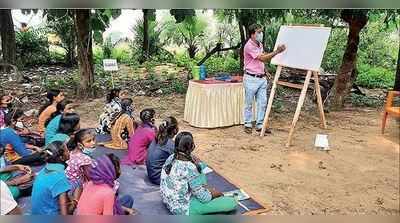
69, 124
141, 139
99, 196
16, 151
50, 187
184, 188
53, 123
111, 110
54, 97
18, 178
161, 148
123, 127
81, 146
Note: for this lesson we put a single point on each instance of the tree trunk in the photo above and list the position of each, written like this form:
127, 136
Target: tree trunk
70, 58
85, 54
146, 15
7, 35
397, 80
192, 51
348, 69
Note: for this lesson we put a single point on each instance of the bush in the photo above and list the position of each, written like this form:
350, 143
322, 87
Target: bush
122, 54
98, 55
375, 77
32, 47
222, 64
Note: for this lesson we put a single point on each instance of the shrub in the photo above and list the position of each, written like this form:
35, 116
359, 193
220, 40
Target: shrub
32, 47
98, 55
122, 54
375, 77
222, 64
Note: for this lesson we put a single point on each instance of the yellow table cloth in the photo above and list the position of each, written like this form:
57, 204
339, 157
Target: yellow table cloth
213, 105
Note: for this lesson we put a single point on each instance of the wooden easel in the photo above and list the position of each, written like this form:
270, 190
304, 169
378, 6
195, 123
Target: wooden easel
303, 88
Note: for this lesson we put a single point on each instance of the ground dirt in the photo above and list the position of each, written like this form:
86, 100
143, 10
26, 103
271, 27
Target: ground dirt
359, 175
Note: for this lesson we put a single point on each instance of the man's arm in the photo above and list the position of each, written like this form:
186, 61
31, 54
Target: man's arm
268, 56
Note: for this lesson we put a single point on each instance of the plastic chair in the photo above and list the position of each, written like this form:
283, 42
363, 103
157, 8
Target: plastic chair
390, 109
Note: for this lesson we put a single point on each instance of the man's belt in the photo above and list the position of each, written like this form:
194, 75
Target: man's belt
256, 75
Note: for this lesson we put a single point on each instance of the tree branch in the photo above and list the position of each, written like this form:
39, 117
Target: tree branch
217, 48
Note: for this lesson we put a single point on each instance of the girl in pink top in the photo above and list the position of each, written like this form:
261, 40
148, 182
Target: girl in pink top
141, 139
99, 196
80, 145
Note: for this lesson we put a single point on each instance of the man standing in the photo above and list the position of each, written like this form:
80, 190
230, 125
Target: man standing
255, 83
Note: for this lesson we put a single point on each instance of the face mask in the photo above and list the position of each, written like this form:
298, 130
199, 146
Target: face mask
259, 37
88, 151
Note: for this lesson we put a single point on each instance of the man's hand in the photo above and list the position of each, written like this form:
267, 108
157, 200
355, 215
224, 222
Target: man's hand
281, 48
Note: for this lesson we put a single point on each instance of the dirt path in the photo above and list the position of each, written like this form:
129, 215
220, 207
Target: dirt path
360, 175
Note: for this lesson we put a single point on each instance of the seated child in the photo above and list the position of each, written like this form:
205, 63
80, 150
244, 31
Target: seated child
16, 151
54, 96
53, 123
81, 147
50, 187
69, 124
8, 204
5, 104
161, 148
123, 127
111, 110
18, 178
141, 139
99, 196
184, 188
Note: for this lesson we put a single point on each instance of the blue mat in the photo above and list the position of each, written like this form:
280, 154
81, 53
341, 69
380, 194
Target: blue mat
147, 199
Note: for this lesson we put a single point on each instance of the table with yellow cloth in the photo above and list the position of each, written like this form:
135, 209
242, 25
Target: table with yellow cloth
212, 103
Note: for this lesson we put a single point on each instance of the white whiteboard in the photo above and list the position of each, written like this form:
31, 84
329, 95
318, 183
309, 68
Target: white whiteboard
305, 46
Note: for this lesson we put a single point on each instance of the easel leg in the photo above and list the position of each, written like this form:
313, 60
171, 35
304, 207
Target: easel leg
319, 100
299, 105
271, 99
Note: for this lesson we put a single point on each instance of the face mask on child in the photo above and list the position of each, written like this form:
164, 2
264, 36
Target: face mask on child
259, 37
88, 150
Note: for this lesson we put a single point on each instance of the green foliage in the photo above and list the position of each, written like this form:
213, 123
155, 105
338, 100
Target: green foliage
100, 20
334, 50
182, 60
122, 54
190, 33
98, 55
32, 47
107, 48
222, 64
378, 46
375, 77
155, 43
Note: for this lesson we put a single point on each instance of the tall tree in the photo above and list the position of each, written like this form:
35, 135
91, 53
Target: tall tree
7, 35
189, 33
148, 16
356, 19
89, 26
85, 53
